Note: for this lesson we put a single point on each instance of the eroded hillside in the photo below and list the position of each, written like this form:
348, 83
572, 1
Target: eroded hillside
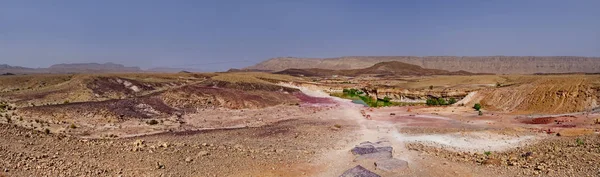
545, 95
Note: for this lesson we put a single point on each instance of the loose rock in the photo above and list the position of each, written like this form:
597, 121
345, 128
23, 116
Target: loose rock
359, 171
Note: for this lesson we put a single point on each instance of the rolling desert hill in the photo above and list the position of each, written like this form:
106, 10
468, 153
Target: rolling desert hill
474, 64
391, 68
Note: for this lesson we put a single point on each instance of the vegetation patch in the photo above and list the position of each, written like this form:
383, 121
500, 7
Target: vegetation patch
477, 106
355, 94
440, 101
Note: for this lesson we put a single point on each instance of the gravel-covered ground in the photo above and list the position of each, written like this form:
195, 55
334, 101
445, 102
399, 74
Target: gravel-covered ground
282, 148
554, 156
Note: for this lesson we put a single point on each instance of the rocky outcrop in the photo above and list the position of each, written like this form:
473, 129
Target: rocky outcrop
474, 64
414, 95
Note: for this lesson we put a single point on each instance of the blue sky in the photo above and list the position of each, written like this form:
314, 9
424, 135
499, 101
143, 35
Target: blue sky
222, 34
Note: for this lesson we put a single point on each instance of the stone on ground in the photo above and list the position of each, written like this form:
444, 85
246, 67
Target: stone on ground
391, 164
359, 171
373, 151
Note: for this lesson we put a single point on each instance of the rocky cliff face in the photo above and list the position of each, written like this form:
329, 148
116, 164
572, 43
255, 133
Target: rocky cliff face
482, 64
414, 95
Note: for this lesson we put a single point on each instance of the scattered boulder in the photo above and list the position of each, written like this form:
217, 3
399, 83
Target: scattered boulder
375, 156
160, 165
391, 164
368, 148
203, 153
359, 171
374, 151
164, 145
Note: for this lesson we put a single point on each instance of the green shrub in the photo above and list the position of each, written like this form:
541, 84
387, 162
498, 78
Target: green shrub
487, 153
432, 102
439, 101
579, 142
352, 92
442, 101
477, 106
452, 101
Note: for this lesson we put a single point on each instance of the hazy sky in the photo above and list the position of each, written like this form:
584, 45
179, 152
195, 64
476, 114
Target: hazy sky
221, 34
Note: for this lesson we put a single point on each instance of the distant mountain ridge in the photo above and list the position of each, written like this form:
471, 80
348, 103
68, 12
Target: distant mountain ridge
81, 68
5, 66
92, 68
474, 64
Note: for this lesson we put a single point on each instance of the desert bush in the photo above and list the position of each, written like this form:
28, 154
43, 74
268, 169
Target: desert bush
480, 113
439, 101
487, 153
442, 101
47, 131
352, 92
579, 142
72, 126
477, 106
452, 101
432, 102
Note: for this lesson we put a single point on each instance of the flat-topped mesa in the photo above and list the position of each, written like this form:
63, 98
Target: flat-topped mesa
383, 69
473, 64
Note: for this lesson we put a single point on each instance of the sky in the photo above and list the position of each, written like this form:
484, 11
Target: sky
222, 34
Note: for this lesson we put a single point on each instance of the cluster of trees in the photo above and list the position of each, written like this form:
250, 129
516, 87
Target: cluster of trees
440, 101
372, 102
352, 92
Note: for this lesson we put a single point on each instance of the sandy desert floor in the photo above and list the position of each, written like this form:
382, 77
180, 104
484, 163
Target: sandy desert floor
314, 138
